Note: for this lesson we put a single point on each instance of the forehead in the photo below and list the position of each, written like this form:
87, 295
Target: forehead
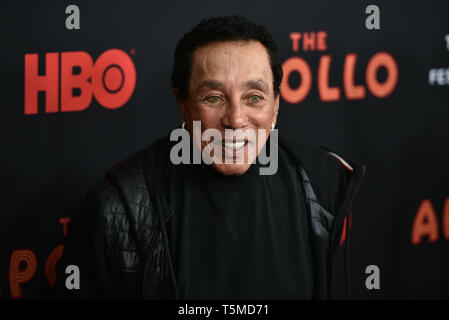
231, 61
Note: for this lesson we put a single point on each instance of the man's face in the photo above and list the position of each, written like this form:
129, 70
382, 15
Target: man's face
231, 87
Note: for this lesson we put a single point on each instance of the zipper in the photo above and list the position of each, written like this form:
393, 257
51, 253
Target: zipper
352, 190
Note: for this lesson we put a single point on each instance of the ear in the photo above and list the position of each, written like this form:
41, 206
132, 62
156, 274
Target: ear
276, 108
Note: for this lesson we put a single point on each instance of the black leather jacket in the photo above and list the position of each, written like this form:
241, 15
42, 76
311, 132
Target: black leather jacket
119, 239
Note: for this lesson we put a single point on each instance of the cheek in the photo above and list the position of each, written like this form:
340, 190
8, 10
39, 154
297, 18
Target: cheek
210, 118
263, 119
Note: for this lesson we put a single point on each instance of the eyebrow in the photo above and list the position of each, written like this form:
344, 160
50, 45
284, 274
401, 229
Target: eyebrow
257, 84
212, 84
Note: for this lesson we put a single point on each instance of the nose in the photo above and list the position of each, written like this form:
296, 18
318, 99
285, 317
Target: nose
235, 115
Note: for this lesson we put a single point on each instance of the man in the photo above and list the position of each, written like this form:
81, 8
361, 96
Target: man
158, 228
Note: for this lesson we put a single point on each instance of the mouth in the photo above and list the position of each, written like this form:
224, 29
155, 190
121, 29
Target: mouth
234, 145
234, 148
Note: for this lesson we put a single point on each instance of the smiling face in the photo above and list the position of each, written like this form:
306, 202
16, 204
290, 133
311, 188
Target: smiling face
231, 87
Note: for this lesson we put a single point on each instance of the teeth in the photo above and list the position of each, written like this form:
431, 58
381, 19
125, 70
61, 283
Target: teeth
234, 145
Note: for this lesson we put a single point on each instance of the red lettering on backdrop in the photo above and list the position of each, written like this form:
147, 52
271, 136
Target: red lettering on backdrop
308, 41
425, 224
17, 275
312, 41
381, 59
321, 43
113, 67
111, 80
55, 255
47, 83
64, 221
70, 81
295, 36
446, 219
299, 65
352, 91
23, 265
50, 266
326, 93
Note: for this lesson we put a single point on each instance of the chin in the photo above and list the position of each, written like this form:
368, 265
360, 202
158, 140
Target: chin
231, 169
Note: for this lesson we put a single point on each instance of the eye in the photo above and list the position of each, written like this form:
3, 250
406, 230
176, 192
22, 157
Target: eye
213, 99
255, 98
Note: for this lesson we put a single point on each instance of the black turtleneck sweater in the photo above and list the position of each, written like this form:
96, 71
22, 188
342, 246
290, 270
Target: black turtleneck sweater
239, 237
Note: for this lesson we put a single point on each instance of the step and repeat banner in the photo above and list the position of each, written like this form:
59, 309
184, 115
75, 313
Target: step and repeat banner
86, 83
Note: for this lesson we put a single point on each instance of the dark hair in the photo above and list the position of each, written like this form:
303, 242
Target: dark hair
218, 29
